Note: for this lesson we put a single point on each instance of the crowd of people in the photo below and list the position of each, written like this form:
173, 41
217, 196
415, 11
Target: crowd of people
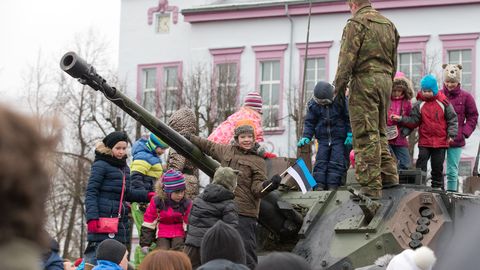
183, 229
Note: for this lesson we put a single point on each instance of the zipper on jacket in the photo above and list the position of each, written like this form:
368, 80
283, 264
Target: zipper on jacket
328, 127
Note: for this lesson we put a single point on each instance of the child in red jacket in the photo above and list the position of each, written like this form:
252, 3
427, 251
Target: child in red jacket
437, 122
167, 213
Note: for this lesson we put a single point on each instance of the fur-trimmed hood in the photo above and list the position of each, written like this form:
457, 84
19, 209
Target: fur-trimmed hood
103, 149
407, 84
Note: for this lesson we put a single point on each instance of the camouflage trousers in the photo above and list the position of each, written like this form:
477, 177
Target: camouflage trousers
368, 104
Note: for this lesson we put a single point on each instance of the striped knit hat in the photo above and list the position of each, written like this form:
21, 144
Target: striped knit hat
155, 142
173, 181
254, 101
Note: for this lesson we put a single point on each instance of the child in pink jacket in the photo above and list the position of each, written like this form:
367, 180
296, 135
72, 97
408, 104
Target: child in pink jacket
400, 104
167, 213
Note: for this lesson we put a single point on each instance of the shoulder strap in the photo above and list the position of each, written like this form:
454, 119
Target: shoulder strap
121, 196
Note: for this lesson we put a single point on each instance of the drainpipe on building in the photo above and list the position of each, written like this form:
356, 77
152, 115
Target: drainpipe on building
290, 70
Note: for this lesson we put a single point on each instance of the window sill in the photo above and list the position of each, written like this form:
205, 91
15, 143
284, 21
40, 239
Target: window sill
274, 131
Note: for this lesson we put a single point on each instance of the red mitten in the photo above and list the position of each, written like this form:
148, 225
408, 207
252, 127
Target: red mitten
269, 155
92, 225
150, 195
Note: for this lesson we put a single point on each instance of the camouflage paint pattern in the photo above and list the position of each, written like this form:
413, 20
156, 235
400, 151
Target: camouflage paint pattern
367, 64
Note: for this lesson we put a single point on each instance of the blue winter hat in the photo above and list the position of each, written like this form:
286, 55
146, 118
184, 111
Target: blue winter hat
155, 142
429, 82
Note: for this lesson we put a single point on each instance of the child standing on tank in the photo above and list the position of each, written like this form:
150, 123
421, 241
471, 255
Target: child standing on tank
329, 122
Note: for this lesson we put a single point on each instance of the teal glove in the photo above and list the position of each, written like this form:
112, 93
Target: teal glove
303, 141
348, 140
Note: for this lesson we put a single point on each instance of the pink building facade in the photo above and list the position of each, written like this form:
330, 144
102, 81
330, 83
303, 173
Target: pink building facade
261, 46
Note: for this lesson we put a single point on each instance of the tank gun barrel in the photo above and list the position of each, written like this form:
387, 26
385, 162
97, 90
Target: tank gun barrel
86, 74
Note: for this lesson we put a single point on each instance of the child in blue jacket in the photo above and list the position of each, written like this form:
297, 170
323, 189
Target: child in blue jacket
329, 121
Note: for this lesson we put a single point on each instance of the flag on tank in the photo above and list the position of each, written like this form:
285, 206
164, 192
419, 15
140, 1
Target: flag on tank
302, 176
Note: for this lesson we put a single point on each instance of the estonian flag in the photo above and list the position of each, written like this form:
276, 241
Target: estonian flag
302, 176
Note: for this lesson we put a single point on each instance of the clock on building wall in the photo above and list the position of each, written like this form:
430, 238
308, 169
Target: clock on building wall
163, 23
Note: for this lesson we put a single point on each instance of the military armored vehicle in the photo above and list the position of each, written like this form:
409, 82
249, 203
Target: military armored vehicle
331, 229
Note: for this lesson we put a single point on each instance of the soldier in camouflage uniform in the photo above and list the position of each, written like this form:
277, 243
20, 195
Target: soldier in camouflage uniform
367, 65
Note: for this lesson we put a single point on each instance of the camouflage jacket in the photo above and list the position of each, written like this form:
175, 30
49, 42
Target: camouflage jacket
369, 45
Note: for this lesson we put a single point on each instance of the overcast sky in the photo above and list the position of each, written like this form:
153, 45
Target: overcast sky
31, 26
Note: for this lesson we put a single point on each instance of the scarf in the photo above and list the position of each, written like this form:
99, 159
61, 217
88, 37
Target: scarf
119, 163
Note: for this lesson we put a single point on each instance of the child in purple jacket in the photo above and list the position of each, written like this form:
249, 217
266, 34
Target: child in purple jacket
400, 104
466, 109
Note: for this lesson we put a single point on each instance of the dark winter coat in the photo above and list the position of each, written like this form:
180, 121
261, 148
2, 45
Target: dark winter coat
222, 264
51, 259
146, 166
327, 122
250, 179
467, 114
436, 119
215, 203
102, 196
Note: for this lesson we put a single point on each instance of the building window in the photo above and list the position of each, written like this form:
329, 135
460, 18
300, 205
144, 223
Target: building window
411, 64
171, 93
317, 64
412, 58
227, 76
269, 81
464, 58
226, 79
461, 49
158, 88
316, 71
162, 24
149, 98
270, 92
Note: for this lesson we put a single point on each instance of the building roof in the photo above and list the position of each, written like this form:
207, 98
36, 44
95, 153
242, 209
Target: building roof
222, 5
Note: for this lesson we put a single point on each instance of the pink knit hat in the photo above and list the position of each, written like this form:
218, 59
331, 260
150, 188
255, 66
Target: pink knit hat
172, 181
254, 101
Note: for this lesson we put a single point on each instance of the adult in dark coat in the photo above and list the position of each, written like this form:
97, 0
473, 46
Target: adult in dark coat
102, 197
215, 203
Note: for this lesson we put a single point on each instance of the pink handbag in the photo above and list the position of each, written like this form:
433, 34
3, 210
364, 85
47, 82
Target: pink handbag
110, 225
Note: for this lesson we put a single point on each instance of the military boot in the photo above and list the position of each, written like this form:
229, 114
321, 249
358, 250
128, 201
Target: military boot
373, 194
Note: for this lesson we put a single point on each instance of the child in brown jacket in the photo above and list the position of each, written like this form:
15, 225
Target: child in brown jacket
252, 183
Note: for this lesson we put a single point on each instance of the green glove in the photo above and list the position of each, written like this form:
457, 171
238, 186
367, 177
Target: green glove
348, 140
303, 141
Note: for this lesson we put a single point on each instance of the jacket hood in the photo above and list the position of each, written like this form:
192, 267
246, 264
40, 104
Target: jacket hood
406, 83
216, 193
103, 149
141, 146
183, 121
222, 264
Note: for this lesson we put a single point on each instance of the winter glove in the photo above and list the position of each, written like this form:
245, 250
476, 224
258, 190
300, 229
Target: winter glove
272, 184
276, 179
303, 141
145, 250
269, 155
348, 140
92, 225
150, 195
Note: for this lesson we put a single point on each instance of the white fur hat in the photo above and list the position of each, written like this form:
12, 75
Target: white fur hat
422, 258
